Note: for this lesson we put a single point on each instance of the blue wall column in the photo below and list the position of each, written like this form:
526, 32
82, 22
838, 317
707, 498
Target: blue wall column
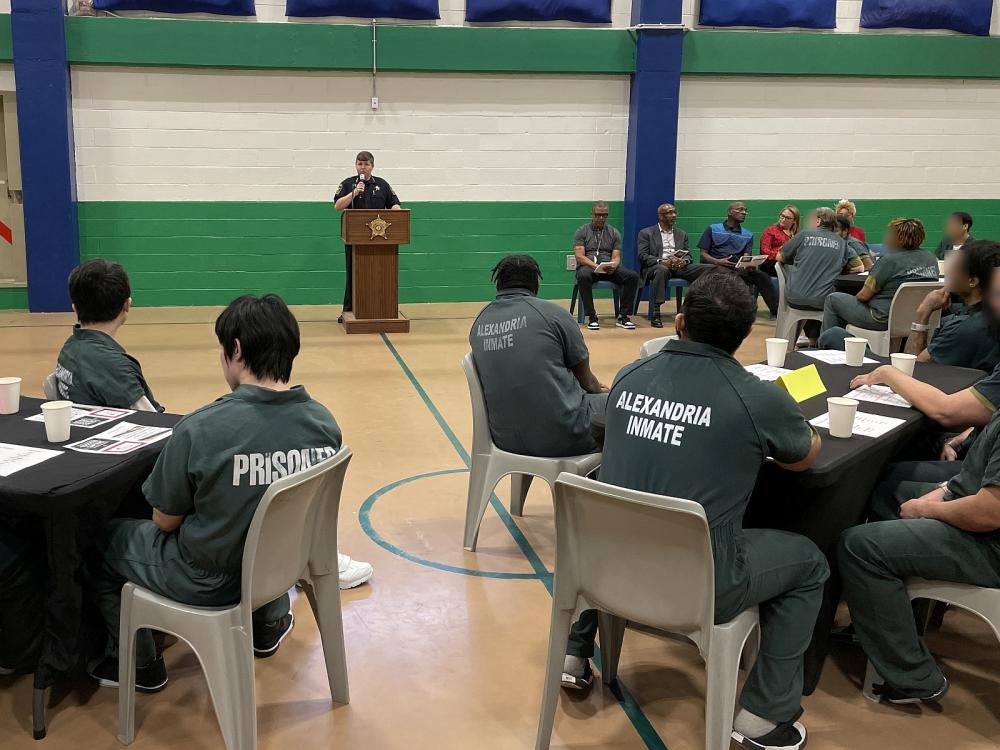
651, 161
48, 173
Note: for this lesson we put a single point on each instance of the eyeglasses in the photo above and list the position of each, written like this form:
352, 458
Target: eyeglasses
786, 216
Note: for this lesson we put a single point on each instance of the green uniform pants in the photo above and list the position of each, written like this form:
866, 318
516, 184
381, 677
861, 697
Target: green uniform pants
139, 552
885, 502
783, 574
842, 309
875, 561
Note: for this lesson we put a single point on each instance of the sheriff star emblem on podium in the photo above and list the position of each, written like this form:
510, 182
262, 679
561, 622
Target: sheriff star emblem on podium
378, 225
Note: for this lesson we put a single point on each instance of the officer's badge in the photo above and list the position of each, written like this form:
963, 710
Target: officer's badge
378, 225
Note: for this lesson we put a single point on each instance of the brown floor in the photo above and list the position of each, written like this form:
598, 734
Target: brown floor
440, 659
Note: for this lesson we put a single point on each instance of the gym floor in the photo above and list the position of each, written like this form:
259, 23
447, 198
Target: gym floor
446, 649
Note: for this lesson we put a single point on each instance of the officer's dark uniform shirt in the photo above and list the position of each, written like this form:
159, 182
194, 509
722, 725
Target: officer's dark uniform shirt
378, 193
94, 369
525, 349
221, 459
691, 422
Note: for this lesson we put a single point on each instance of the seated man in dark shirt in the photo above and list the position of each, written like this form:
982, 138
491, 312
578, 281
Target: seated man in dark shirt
725, 412
93, 368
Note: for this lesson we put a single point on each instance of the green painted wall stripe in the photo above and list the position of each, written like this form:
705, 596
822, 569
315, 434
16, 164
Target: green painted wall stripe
239, 44
811, 54
13, 298
6, 42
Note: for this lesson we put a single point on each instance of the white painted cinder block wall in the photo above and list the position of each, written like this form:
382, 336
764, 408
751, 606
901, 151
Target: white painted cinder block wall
771, 138
172, 134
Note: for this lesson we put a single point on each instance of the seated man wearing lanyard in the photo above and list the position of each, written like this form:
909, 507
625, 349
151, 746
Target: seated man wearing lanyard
704, 409
943, 532
93, 368
208, 481
725, 243
534, 368
597, 247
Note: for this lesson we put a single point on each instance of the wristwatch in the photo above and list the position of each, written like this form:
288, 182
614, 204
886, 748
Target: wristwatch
920, 327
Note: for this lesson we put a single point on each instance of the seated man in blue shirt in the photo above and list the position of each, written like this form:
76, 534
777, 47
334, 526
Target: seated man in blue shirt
725, 243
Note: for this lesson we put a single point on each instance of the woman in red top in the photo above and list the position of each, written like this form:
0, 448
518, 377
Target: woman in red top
777, 235
848, 209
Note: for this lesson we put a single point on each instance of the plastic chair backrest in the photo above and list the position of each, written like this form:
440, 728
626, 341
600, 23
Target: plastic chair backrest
782, 283
904, 306
653, 346
482, 439
876, 251
297, 513
50, 387
644, 557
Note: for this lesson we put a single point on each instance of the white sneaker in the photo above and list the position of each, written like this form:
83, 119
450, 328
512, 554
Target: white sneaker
352, 572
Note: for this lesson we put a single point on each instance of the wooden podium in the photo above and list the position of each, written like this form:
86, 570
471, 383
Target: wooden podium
375, 236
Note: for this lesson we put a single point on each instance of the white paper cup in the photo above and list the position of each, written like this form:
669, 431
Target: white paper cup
904, 362
855, 349
842, 412
776, 351
57, 418
941, 267
10, 395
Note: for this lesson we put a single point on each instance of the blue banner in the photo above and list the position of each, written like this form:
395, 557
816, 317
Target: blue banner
967, 16
770, 14
410, 9
581, 11
220, 7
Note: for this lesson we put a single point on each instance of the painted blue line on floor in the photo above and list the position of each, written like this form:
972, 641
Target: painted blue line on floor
639, 721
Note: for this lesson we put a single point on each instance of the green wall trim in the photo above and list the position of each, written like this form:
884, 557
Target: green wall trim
13, 298
241, 44
6, 40
787, 53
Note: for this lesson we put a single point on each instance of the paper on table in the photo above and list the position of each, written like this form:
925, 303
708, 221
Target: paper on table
878, 394
766, 373
89, 416
14, 458
870, 425
832, 356
124, 437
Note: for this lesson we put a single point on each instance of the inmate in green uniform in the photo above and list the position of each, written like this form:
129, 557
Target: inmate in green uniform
525, 350
815, 258
876, 559
895, 268
964, 340
690, 422
95, 369
214, 470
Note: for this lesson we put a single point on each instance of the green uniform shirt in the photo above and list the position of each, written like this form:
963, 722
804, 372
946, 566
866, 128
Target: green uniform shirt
816, 257
892, 270
525, 349
221, 459
964, 340
981, 467
987, 390
690, 422
95, 369
860, 248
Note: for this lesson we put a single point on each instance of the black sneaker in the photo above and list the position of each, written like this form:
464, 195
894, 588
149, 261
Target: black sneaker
572, 682
594, 324
844, 636
150, 678
789, 735
268, 636
657, 322
624, 322
886, 693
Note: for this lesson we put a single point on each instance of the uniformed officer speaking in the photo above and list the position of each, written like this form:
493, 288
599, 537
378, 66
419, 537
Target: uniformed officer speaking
362, 190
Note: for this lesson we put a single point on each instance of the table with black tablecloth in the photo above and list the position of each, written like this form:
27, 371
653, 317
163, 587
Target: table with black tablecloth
851, 283
73, 496
833, 495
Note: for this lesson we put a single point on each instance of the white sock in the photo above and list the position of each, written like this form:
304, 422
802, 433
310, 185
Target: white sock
752, 725
574, 665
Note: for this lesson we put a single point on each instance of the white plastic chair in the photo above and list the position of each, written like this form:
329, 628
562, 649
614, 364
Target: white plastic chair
645, 558
653, 346
982, 602
789, 319
490, 464
901, 314
50, 387
293, 537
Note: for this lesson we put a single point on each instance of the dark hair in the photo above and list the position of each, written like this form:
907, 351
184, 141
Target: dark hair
98, 290
827, 218
719, 310
517, 271
843, 223
963, 218
268, 334
365, 156
979, 258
